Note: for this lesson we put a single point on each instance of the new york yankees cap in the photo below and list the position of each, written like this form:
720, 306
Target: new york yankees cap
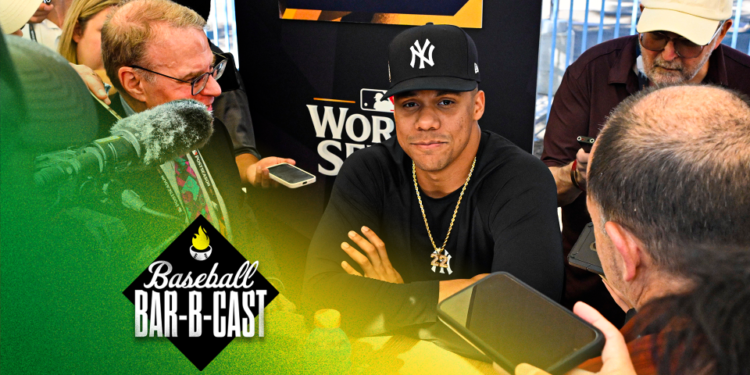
432, 57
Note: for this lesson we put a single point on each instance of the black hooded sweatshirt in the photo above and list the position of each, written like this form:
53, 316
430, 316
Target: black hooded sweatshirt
507, 221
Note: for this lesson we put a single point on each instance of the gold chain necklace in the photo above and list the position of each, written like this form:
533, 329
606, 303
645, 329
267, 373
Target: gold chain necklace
421, 207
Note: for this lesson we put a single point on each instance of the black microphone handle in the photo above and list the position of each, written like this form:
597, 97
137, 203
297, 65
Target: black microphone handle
120, 147
89, 162
102, 154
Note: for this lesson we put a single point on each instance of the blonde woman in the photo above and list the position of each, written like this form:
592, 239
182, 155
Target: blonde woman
81, 38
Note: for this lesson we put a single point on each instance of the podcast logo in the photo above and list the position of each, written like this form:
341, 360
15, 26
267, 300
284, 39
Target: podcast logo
200, 293
201, 248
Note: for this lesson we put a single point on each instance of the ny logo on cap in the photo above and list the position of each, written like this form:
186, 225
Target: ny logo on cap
419, 52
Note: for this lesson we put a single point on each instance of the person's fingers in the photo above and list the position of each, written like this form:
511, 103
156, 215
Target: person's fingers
369, 249
583, 160
96, 86
615, 355
356, 256
269, 161
582, 156
349, 269
290, 161
399, 279
41, 13
267, 177
379, 246
92, 81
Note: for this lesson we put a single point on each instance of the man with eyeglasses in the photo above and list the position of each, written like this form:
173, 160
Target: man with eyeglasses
155, 51
679, 41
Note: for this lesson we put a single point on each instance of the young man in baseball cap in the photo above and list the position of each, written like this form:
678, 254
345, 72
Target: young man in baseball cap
679, 41
421, 216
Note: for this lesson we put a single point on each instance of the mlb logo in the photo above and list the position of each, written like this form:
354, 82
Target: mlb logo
375, 100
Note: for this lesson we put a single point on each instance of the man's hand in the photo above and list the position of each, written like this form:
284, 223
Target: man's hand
615, 356
567, 192
582, 162
92, 81
41, 13
376, 264
257, 173
451, 287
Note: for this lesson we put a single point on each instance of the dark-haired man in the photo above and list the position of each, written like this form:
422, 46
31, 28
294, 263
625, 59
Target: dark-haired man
679, 41
438, 206
667, 193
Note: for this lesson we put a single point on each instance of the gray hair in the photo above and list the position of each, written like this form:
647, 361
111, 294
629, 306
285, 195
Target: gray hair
672, 165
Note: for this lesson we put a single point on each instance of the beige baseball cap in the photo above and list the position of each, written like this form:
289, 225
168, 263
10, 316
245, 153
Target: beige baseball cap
16, 13
696, 20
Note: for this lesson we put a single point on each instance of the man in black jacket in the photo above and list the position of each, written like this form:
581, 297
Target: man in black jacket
439, 206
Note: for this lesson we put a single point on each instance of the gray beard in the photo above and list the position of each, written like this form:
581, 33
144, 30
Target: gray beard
662, 80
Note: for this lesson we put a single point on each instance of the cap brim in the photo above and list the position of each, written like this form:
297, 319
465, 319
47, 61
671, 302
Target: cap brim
15, 14
697, 29
432, 83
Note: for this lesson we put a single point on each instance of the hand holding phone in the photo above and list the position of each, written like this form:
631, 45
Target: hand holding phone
511, 323
615, 355
586, 142
578, 171
290, 176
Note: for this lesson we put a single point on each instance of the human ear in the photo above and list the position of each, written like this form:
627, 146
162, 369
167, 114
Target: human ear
628, 247
478, 105
77, 33
724, 30
132, 82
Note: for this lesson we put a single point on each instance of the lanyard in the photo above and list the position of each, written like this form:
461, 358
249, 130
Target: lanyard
211, 192
32, 33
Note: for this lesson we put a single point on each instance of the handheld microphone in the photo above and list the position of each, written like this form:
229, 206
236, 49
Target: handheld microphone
149, 138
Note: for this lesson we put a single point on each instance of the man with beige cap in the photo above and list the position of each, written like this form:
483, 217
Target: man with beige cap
679, 41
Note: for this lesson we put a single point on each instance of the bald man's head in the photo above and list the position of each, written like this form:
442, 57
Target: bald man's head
673, 166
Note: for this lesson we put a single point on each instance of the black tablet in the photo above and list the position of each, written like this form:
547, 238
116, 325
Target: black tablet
584, 255
512, 323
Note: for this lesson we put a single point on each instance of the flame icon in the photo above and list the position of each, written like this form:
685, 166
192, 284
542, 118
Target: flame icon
201, 248
200, 239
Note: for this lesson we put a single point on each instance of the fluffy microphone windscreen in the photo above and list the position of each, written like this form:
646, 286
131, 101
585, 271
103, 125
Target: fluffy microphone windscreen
169, 130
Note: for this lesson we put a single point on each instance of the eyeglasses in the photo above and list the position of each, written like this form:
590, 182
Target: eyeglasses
657, 40
197, 84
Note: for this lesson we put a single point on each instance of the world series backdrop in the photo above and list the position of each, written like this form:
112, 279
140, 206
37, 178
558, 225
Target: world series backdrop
315, 88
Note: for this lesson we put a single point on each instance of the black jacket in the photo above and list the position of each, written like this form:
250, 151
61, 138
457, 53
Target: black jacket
507, 221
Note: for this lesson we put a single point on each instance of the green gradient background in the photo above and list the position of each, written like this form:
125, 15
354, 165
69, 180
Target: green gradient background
61, 304
63, 310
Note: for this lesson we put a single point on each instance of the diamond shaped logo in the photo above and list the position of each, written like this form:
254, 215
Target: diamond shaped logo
200, 293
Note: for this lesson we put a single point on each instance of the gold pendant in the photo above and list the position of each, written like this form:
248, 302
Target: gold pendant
443, 261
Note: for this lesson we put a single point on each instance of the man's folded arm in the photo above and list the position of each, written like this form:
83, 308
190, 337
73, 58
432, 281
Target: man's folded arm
367, 305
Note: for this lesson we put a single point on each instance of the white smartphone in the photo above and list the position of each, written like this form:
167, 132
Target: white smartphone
290, 176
